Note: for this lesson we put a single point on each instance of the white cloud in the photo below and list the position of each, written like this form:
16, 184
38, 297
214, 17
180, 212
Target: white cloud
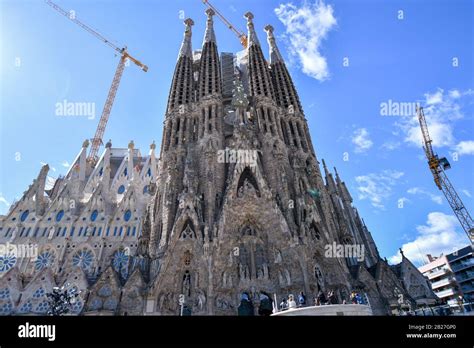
455, 94
361, 140
465, 147
467, 193
419, 191
377, 187
391, 145
441, 110
306, 27
439, 235
434, 98
66, 164
4, 200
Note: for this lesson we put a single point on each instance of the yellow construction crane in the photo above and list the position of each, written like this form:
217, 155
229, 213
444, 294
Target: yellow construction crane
124, 56
438, 166
242, 37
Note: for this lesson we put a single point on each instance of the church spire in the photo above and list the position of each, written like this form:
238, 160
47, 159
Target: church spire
285, 91
181, 91
209, 35
252, 36
186, 50
209, 68
260, 81
275, 55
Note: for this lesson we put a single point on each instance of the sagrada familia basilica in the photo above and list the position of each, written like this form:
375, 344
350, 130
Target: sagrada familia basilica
235, 201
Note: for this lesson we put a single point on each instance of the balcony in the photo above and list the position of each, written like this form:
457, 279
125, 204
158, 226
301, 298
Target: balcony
442, 282
467, 288
445, 293
438, 273
464, 277
463, 265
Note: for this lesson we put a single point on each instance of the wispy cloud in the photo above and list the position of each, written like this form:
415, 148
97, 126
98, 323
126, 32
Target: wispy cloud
377, 187
3, 200
439, 235
465, 148
361, 140
66, 164
391, 145
419, 191
442, 109
306, 27
467, 193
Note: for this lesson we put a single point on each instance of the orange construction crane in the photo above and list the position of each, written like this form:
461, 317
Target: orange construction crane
438, 166
124, 56
242, 37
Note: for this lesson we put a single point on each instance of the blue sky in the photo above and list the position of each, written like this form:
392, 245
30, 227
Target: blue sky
346, 59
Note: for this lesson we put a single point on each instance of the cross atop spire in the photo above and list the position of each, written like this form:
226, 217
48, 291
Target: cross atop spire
252, 36
209, 36
275, 55
185, 50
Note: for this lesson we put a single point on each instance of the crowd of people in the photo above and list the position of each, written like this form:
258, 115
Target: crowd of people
266, 307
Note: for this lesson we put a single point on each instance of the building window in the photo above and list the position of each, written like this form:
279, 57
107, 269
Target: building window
83, 259
127, 215
59, 215
72, 232
100, 232
121, 189
24, 215
94, 215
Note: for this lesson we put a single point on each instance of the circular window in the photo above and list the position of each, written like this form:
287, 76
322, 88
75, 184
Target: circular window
59, 215
145, 189
127, 215
121, 189
94, 215
24, 215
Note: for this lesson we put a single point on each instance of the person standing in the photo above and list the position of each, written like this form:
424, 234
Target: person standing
246, 306
266, 305
301, 299
291, 302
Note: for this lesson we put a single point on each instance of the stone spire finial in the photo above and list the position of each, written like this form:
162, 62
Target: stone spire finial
131, 145
109, 144
153, 145
337, 175
252, 36
275, 55
186, 50
85, 144
209, 35
326, 171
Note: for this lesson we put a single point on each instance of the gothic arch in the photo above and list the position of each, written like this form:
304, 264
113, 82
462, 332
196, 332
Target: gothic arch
247, 179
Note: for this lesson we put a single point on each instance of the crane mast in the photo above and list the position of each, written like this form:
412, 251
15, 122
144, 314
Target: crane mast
242, 37
437, 167
124, 56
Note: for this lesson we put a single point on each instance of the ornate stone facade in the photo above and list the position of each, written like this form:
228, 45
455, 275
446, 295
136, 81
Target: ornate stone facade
236, 203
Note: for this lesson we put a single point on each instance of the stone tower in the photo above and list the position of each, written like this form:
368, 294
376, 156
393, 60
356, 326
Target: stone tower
241, 205
235, 204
